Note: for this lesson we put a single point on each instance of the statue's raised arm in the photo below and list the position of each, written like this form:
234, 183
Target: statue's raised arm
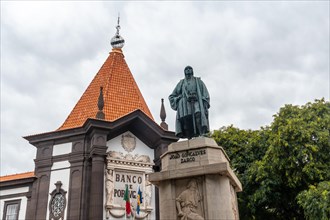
191, 100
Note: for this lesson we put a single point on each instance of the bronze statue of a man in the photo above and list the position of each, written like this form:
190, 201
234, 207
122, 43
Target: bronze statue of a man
191, 100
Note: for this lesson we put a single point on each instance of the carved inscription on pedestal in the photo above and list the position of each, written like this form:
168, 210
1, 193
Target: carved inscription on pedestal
187, 156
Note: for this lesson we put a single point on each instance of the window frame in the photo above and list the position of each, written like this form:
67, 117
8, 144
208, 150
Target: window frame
57, 191
11, 202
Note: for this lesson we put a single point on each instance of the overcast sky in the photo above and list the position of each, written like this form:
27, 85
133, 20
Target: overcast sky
254, 57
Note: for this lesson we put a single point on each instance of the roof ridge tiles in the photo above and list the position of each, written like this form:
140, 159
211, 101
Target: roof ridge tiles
17, 176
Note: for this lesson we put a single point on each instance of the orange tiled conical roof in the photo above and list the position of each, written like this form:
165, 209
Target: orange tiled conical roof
120, 91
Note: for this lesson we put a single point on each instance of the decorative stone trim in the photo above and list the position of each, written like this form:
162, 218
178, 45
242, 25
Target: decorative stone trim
128, 142
128, 159
119, 212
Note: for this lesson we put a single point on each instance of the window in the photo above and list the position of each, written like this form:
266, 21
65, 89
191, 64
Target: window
57, 203
11, 209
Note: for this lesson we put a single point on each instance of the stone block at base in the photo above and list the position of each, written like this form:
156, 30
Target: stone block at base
196, 182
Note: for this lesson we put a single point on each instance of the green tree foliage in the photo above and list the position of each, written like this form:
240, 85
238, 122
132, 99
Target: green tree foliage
278, 162
243, 147
316, 201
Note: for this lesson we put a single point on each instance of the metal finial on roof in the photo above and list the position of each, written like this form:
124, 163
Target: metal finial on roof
118, 26
100, 104
117, 41
163, 116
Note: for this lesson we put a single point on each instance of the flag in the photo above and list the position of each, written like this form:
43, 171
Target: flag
128, 205
139, 201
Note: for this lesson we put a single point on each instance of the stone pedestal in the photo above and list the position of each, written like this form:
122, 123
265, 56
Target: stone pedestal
196, 182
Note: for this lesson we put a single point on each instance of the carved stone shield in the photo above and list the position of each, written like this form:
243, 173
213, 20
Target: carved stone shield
128, 142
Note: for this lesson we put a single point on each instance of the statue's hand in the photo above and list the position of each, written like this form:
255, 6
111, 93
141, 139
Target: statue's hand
180, 214
192, 98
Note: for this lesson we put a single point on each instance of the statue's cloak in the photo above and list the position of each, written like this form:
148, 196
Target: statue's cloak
179, 102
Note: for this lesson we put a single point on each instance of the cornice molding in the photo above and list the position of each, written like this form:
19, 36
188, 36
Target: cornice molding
137, 122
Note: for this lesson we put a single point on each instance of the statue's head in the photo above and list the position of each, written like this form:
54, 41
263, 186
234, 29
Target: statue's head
188, 72
192, 184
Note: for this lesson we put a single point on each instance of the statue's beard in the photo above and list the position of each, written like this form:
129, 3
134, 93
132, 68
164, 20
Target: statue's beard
188, 76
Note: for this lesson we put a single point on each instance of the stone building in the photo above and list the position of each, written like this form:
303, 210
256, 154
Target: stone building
108, 141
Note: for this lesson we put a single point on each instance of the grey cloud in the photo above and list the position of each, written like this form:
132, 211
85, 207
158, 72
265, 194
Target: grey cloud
254, 57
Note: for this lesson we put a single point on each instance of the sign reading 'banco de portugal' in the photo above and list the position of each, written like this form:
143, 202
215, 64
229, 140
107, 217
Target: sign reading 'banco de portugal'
133, 180
131, 168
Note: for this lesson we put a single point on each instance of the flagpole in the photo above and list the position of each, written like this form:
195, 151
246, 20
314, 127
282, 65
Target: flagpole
137, 191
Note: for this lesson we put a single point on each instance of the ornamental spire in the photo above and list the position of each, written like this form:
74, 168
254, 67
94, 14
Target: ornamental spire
163, 116
117, 41
100, 104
